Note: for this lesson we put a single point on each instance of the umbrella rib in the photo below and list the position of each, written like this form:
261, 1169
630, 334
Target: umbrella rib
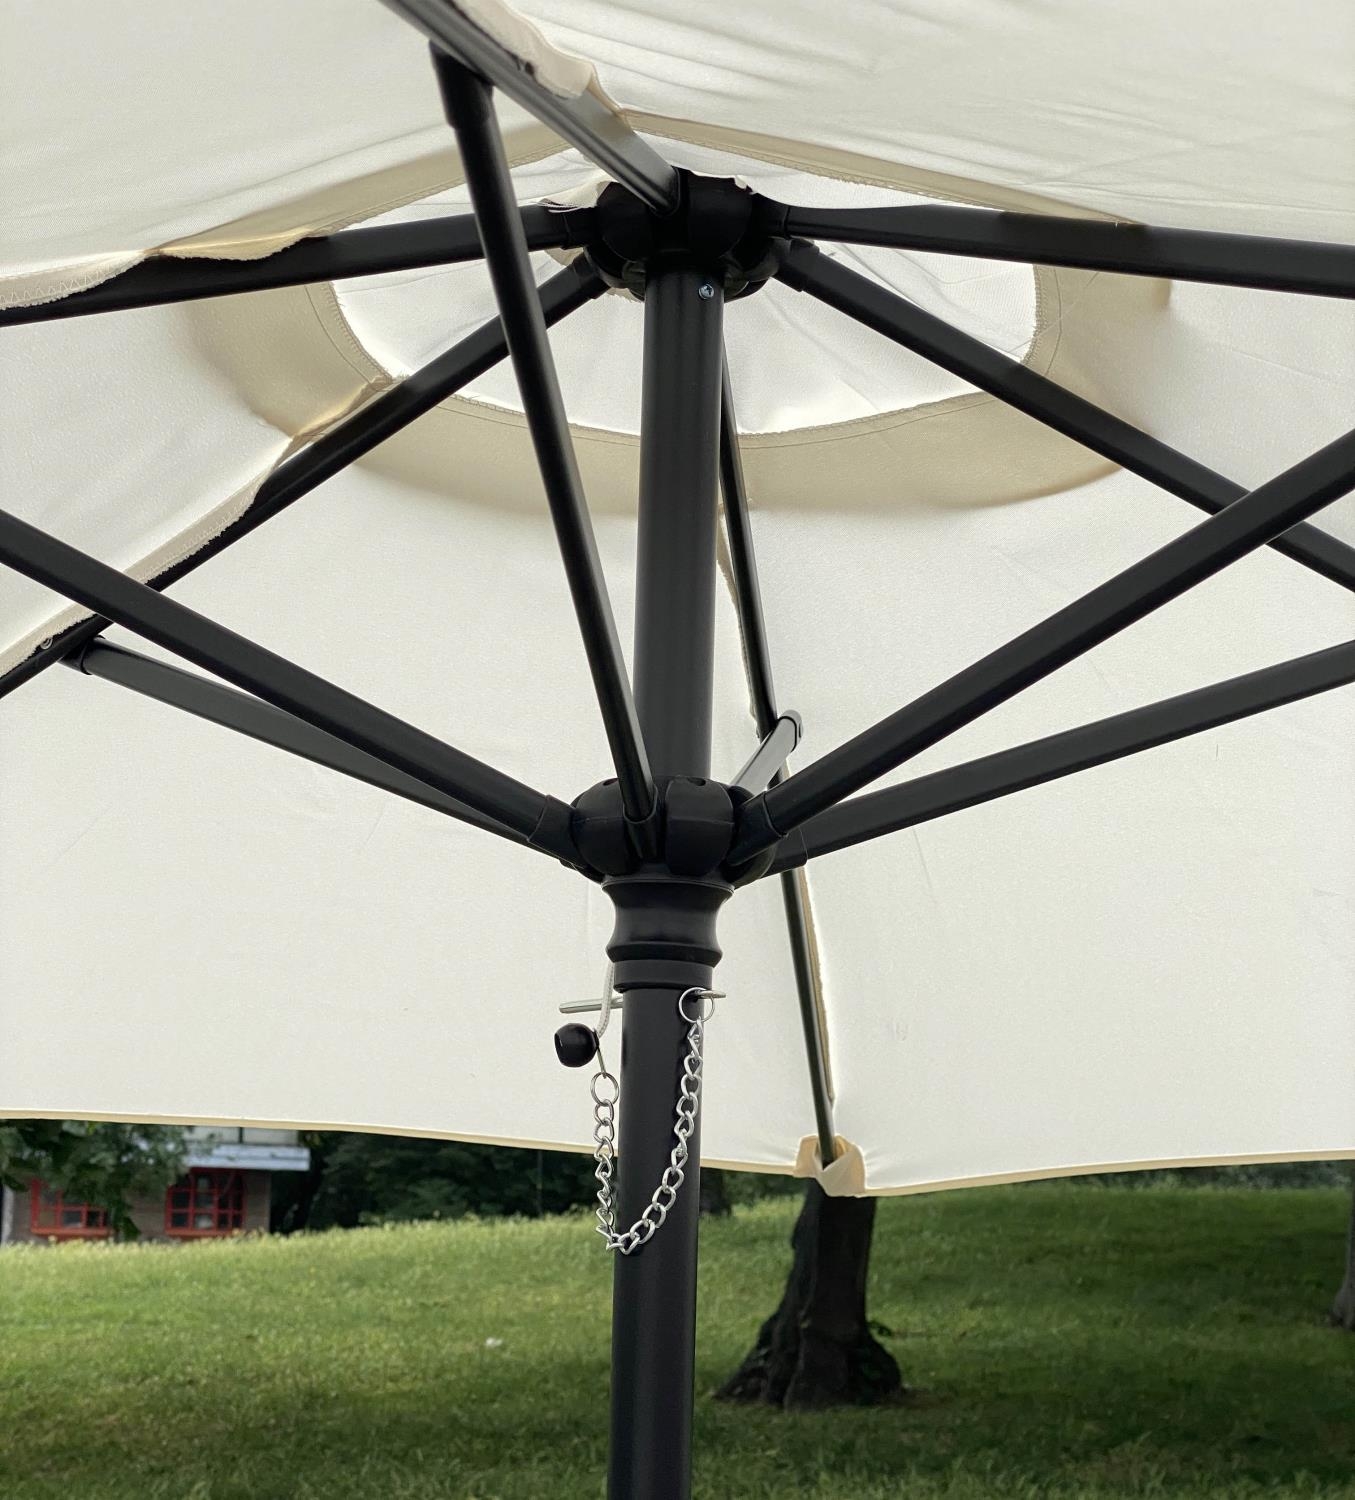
542, 820
1262, 262
379, 419
468, 100
163, 278
861, 818
583, 119
1062, 637
807, 269
758, 667
206, 698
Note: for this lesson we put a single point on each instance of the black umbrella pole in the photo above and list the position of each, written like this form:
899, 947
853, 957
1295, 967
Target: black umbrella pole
665, 938
654, 1289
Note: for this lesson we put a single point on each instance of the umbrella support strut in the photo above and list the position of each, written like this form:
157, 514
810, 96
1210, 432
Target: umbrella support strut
206, 698
757, 657
469, 104
1266, 512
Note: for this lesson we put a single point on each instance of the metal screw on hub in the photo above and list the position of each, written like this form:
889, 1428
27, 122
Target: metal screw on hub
705, 291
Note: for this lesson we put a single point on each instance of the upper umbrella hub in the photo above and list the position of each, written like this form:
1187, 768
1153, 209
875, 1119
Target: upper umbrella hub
728, 231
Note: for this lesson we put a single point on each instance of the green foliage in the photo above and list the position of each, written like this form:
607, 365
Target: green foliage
92, 1161
360, 1179
745, 1188
388, 1179
1063, 1344
1266, 1174
378, 1179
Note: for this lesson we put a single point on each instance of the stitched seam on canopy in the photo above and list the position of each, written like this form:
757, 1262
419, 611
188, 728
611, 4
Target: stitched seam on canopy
850, 166
216, 242
1040, 356
339, 335
73, 1109
426, 187
338, 330
183, 544
1091, 1169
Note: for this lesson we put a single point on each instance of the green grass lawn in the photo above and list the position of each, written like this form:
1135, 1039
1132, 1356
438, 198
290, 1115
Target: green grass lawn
1063, 1341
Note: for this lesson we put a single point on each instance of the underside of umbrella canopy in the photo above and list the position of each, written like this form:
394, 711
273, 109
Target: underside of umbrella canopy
957, 534
254, 361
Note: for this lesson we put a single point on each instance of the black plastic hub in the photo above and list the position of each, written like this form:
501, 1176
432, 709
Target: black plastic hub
729, 232
665, 907
694, 820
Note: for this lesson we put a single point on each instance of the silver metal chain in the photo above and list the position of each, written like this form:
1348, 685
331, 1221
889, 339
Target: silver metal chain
606, 1090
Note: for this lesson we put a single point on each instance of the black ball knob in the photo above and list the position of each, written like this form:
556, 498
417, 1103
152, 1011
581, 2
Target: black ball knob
575, 1045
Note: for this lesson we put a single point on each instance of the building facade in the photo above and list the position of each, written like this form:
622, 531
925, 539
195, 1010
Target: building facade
226, 1189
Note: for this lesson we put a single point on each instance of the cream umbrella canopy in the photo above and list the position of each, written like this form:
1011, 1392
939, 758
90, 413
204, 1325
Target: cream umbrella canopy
1148, 963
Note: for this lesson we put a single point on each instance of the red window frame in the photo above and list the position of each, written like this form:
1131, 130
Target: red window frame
206, 1202
50, 1217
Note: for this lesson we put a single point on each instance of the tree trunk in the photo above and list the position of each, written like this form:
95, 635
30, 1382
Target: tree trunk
1342, 1314
293, 1196
715, 1194
817, 1348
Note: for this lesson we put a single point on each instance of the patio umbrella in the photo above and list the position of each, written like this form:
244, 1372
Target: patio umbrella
919, 469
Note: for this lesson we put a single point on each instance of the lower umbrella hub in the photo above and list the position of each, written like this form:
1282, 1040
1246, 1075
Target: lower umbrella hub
687, 836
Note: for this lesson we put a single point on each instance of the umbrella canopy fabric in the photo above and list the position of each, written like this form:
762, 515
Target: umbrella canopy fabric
1152, 962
